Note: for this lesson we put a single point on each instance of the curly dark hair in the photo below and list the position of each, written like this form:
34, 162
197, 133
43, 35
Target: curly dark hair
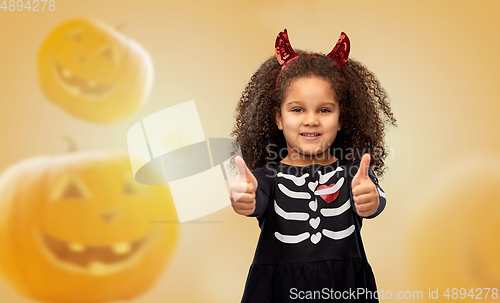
364, 109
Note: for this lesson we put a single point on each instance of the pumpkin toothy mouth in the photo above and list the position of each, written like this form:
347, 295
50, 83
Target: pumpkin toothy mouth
94, 260
80, 86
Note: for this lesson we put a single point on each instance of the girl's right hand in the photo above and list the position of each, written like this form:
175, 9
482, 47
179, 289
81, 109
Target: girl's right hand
243, 189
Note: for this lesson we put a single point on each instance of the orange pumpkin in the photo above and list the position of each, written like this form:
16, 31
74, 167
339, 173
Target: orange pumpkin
454, 242
78, 228
93, 72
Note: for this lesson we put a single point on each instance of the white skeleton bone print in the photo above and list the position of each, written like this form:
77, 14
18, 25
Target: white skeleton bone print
310, 192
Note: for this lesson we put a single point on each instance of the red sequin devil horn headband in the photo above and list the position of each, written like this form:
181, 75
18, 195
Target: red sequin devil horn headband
285, 53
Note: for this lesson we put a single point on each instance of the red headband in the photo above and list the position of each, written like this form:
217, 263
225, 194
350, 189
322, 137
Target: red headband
285, 53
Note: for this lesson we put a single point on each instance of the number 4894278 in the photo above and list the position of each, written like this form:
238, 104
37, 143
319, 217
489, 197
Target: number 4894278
34, 6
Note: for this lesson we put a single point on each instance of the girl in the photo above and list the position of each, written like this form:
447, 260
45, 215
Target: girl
307, 124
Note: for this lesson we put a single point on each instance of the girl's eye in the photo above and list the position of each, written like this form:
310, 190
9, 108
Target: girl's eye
297, 110
324, 110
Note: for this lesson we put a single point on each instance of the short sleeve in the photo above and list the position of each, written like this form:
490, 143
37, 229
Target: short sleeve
264, 190
381, 193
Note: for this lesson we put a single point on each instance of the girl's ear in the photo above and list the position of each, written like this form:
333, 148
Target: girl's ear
279, 119
339, 127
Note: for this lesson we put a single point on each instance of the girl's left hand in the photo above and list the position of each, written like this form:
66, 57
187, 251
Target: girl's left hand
364, 192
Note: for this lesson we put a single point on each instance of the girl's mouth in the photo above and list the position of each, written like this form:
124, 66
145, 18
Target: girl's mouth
310, 136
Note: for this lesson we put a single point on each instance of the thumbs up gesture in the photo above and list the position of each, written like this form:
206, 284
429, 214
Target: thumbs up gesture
364, 191
243, 189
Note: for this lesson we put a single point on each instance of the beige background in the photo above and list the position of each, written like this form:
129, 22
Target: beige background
438, 61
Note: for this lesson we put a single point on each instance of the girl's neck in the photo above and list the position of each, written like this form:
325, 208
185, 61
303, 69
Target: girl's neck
309, 161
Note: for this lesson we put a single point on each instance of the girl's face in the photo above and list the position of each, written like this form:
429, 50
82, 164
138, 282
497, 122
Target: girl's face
309, 119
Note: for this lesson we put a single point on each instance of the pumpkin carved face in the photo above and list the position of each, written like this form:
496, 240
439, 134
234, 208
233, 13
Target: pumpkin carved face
78, 228
454, 243
93, 72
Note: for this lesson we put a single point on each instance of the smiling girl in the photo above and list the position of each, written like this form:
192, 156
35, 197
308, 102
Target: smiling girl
326, 114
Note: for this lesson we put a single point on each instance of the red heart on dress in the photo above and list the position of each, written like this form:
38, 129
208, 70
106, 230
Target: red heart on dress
328, 197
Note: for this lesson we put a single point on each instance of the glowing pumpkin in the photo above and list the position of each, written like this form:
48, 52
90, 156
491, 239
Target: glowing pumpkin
454, 243
93, 72
78, 228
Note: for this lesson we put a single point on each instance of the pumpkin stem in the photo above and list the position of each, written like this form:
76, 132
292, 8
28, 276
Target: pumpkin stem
71, 144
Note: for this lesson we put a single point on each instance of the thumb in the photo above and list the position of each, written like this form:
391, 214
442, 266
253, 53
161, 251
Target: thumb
243, 171
363, 169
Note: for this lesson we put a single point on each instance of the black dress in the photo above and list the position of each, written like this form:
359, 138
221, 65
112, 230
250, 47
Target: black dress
310, 246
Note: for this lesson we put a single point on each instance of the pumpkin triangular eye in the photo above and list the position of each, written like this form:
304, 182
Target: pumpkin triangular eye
72, 191
69, 187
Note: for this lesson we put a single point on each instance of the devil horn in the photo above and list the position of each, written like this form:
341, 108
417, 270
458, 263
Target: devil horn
340, 52
284, 51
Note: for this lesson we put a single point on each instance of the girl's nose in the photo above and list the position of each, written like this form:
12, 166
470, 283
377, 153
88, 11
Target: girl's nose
311, 119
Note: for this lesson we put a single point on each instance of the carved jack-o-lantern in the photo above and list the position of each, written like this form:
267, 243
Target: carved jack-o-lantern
93, 72
454, 244
78, 228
